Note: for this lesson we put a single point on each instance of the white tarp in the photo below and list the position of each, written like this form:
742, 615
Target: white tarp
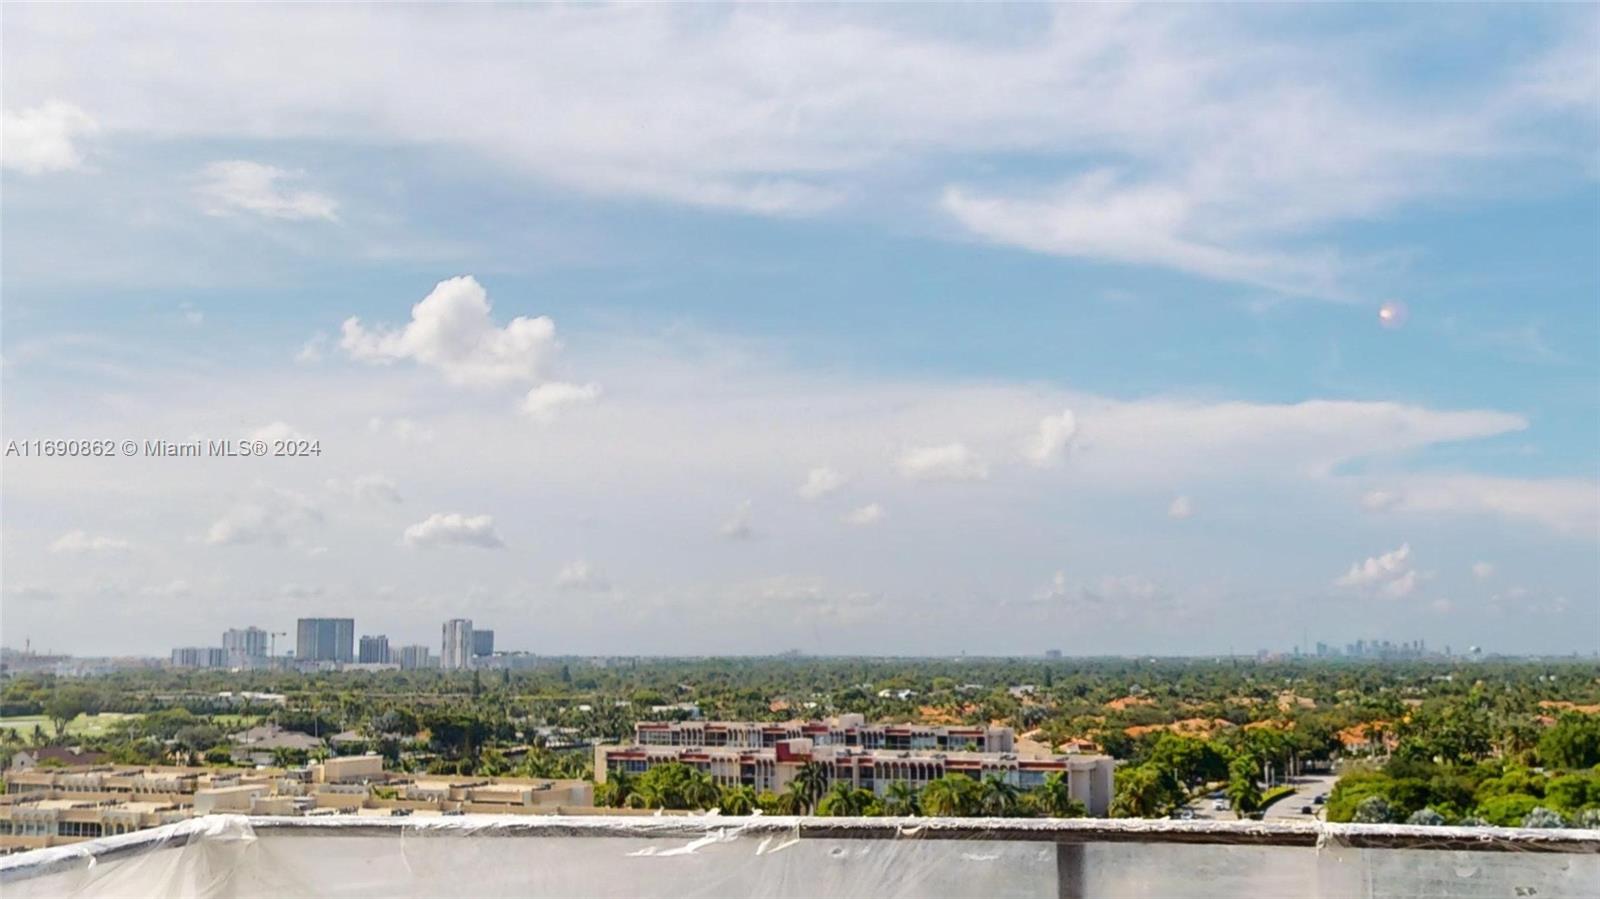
482, 856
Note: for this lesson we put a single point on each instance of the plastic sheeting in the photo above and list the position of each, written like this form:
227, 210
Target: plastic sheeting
230, 856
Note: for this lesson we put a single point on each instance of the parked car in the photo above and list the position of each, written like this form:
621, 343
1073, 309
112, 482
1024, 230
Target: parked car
1321, 798
1307, 810
1221, 805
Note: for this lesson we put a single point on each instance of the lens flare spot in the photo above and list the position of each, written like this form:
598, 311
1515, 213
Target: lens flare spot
1393, 314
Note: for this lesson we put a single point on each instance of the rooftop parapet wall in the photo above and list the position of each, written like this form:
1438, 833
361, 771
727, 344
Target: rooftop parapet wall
616, 856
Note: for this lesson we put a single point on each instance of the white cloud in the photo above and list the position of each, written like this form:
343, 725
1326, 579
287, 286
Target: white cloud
1568, 506
869, 514
1054, 435
453, 529
579, 575
738, 526
229, 187
192, 314
174, 589
44, 138
1119, 589
371, 488
1389, 574
1057, 588
1099, 216
451, 330
405, 430
1180, 508
545, 402
820, 482
83, 542
276, 431
1482, 570
300, 591
311, 351
949, 462
1379, 500
271, 517
1236, 125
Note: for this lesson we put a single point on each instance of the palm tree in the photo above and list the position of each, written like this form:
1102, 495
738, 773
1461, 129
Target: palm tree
739, 800
616, 791
792, 801
901, 800
810, 782
844, 800
701, 791
950, 796
1054, 798
998, 798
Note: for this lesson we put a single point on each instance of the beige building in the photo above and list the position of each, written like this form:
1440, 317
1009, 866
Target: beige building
766, 757
56, 806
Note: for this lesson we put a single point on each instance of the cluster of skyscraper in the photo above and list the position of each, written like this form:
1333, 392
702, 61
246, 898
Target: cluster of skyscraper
332, 641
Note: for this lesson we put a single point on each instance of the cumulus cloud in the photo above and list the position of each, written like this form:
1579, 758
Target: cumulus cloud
44, 138
234, 186
869, 514
371, 488
738, 526
1389, 574
1054, 435
453, 529
1482, 570
271, 517
579, 575
1180, 508
545, 402
83, 542
452, 331
820, 482
950, 462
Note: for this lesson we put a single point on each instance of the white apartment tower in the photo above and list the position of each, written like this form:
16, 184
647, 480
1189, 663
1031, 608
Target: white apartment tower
456, 653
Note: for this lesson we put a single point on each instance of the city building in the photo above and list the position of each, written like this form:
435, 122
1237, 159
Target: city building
482, 644
415, 657
325, 640
199, 657
374, 649
456, 652
767, 757
245, 647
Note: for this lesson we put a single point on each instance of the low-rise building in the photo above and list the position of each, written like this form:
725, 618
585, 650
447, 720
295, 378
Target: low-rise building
841, 730
56, 806
766, 757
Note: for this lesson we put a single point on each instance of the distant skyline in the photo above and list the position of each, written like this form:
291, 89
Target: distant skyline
859, 330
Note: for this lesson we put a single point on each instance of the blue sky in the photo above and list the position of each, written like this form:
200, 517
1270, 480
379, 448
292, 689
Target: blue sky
1068, 317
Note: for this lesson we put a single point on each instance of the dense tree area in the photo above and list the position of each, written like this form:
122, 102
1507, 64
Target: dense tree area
1178, 726
680, 786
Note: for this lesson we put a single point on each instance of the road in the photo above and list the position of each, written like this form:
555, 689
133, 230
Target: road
1285, 809
1288, 808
